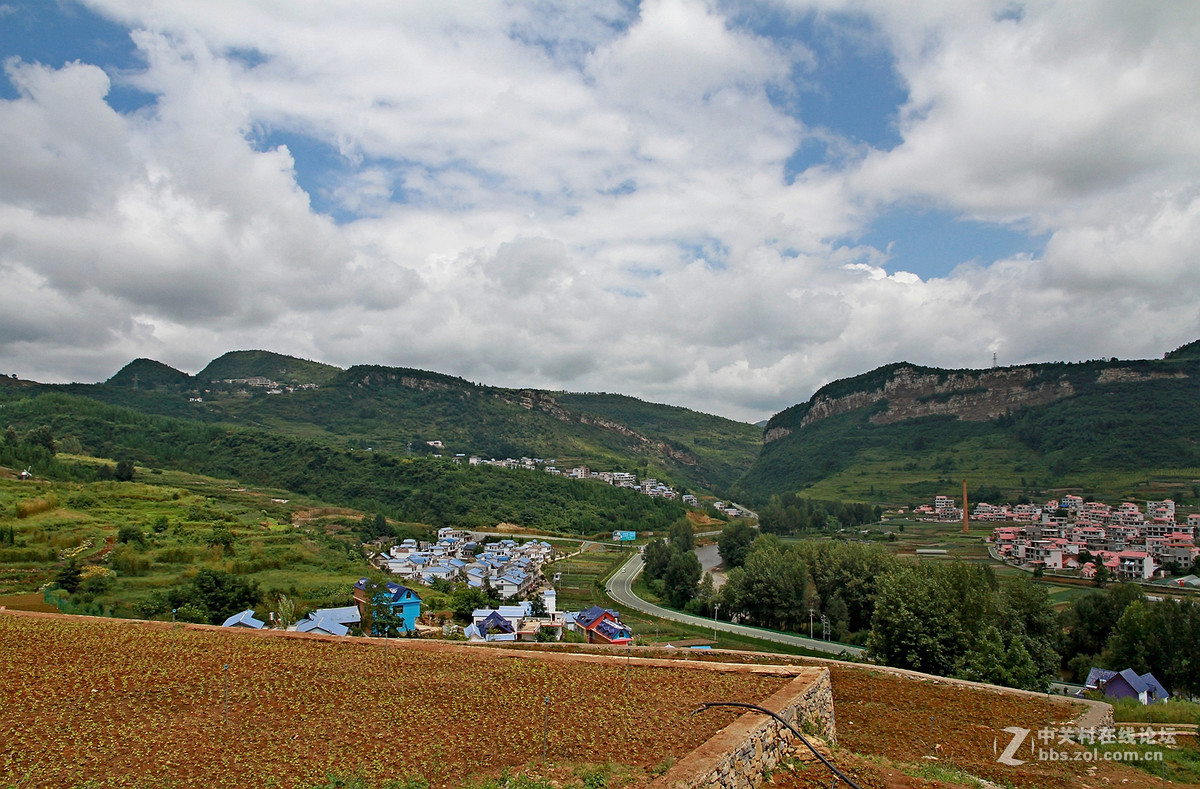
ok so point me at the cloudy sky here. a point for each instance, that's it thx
(721, 205)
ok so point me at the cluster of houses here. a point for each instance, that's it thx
(1130, 543)
(272, 387)
(943, 508)
(403, 604)
(620, 479)
(519, 622)
(512, 569)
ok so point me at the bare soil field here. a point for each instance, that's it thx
(119, 703)
(901, 733)
(92, 702)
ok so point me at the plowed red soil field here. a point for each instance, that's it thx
(901, 733)
(93, 702)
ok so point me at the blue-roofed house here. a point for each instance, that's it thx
(244, 619)
(330, 621)
(494, 627)
(602, 626)
(1127, 684)
(404, 603)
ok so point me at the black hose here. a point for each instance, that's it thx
(792, 728)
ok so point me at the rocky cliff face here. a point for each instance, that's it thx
(381, 377)
(911, 393)
(972, 395)
(542, 401)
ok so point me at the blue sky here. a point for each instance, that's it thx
(54, 33)
(721, 205)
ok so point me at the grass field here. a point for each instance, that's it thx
(905, 478)
(170, 520)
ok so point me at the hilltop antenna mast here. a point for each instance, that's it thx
(994, 360)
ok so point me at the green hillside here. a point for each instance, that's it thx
(419, 413)
(139, 541)
(266, 364)
(149, 374)
(902, 433)
(422, 490)
(723, 448)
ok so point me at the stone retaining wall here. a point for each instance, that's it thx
(740, 755)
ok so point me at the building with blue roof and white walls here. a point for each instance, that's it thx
(331, 621)
(244, 619)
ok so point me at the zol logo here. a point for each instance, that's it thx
(1019, 736)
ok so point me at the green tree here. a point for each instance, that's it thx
(385, 619)
(466, 599)
(681, 578)
(131, 534)
(1130, 643)
(152, 606)
(916, 625)
(219, 593)
(41, 436)
(1085, 625)
(124, 471)
(196, 613)
(770, 588)
(221, 537)
(68, 577)
(734, 543)
(839, 617)
(683, 535)
(656, 558)
(285, 607)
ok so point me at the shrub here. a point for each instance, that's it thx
(128, 562)
(131, 534)
(33, 506)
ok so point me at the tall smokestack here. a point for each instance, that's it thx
(966, 528)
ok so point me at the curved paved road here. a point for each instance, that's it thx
(620, 588)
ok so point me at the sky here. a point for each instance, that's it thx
(719, 205)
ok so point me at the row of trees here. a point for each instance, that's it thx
(954, 619)
(1120, 628)
(790, 514)
(210, 597)
(38, 449)
(671, 567)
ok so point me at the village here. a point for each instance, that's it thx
(1087, 537)
(621, 479)
(512, 571)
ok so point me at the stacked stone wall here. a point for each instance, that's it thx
(743, 754)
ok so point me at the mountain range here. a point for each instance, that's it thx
(421, 413)
(899, 432)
